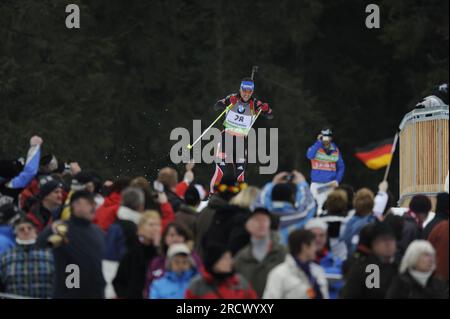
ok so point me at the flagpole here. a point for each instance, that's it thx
(386, 173)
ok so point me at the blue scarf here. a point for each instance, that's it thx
(312, 280)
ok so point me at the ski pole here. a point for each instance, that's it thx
(189, 146)
(256, 117)
(253, 121)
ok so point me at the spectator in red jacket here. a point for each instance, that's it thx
(218, 279)
(182, 186)
(439, 239)
(106, 214)
(49, 205)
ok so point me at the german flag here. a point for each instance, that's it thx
(376, 155)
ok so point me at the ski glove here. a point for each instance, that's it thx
(264, 107)
(233, 99)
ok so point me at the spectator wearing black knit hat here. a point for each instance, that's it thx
(50, 203)
(441, 214)
(413, 219)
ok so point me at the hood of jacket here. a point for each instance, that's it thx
(125, 213)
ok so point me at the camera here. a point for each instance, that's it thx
(289, 177)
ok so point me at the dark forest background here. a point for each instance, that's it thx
(107, 95)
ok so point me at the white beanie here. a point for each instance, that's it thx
(316, 223)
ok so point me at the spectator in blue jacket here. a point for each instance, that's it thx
(288, 197)
(176, 279)
(327, 167)
(363, 203)
(325, 257)
(15, 175)
(8, 214)
(122, 234)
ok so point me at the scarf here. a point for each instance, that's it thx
(27, 242)
(317, 293)
(421, 277)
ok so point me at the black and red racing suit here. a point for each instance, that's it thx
(238, 121)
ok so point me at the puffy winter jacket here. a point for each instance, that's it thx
(157, 267)
(172, 285)
(107, 213)
(288, 281)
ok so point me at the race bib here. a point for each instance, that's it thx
(239, 120)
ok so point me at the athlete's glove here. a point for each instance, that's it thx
(264, 107)
(233, 99)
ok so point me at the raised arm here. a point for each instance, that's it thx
(31, 165)
(312, 151)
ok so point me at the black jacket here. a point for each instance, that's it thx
(130, 277)
(174, 200)
(355, 283)
(204, 220)
(410, 233)
(406, 287)
(84, 249)
(228, 227)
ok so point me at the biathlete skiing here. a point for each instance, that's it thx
(241, 111)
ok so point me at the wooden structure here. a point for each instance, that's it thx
(423, 152)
